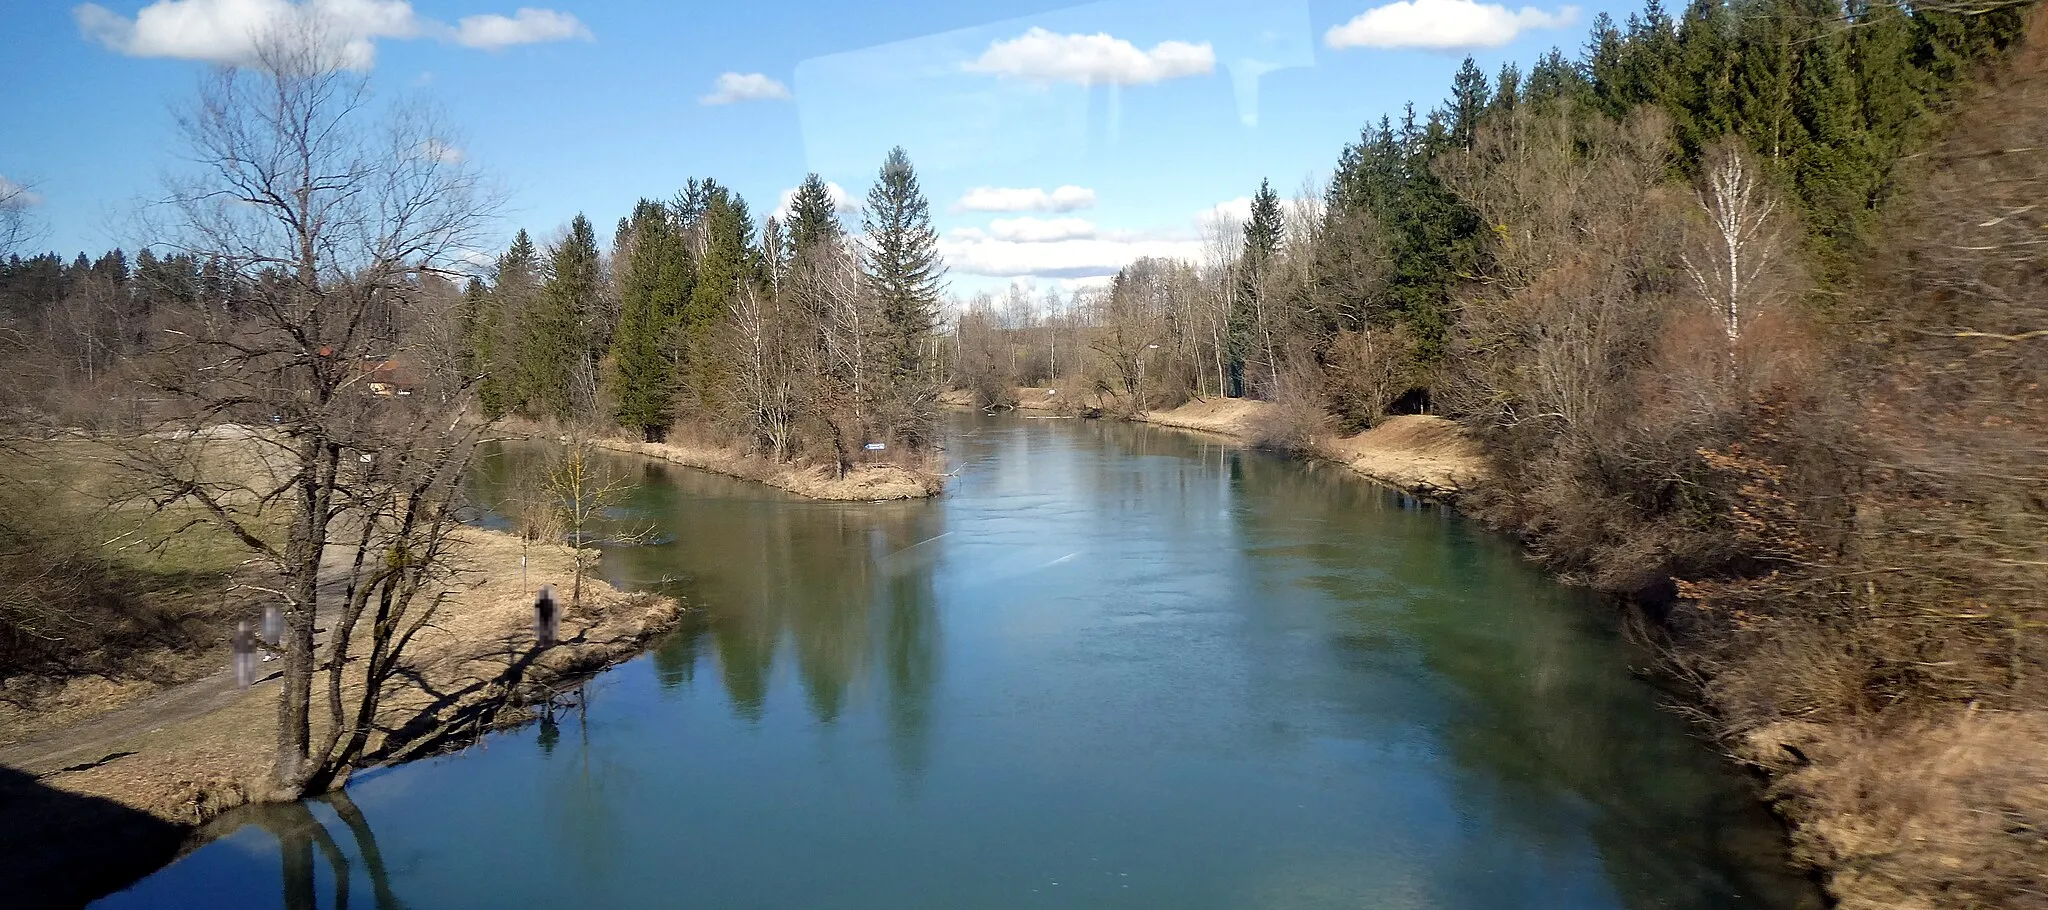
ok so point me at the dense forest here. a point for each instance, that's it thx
(791, 339)
(1747, 307)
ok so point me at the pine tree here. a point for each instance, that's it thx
(555, 344)
(1766, 77)
(1703, 103)
(1507, 90)
(1604, 63)
(900, 265)
(500, 328)
(726, 259)
(812, 218)
(655, 281)
(1470, 96)
(1262, 235)
(1554, 79)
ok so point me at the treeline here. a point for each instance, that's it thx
(790, 338)
(79, 336)
(1750, 310)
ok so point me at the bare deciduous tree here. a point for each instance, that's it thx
(326, 216)
(1739, 262)
(18, 226)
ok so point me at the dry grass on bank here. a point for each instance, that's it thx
(865, 483)
(105, 599)
(1941, 813)
(460, 674)
(1230, 416)
(1424, 455)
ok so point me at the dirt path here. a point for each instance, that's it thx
(82, 743)
(146, 774)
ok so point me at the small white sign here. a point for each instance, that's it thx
(876, 447)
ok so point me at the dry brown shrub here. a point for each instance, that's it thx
(1940, 812)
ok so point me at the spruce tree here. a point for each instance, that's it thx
(1507, 90)
(1604, 65)
(1765, 82)
(1829, 167)
(726, 259)
(555, 346)
(1470, 96)
(900, 265)
(501, 326)
(1263, 232)
(1703, 103)
(812, 218)
(1554, 79)
(654, 282)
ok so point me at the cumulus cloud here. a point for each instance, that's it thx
(1041, 230)
(227, 31)
(1227, 212)
(491, 31)
(1443, 25)
(16, 196)
(441, 151)
(842, 201)
(975, 252)
(733, 87)
(1042, 56)
(1027, 199)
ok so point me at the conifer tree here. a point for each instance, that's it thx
(900, 265)
(501, 325)
(1766, 77)
(654, 282)
(555, 343)
(1507, 90)
(1262, 235)
(1603, 66)
(1470, 96)
(812, 218)
(1703, 101)
(1554, 79)
(726, 259)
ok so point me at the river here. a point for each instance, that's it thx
(1114, 666)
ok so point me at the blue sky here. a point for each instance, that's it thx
(1054, 141)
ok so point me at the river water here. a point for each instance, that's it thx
(1114, 666)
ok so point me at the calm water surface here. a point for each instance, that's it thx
(1114, 666)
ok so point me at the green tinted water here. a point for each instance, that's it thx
(1114, 666)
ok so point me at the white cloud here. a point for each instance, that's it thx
(1042, 56)
(491, 31)
(842, 201)
(1041, 230)
(1443, 25)
(1228, 212)
(1032, 199)
(441, 151)
(733, 87)
(976, 253)
(14, 195)
(226, 31)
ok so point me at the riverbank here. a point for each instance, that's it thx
(1938, 812)
(1421, 455)
(865, 483)
(145, 776)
